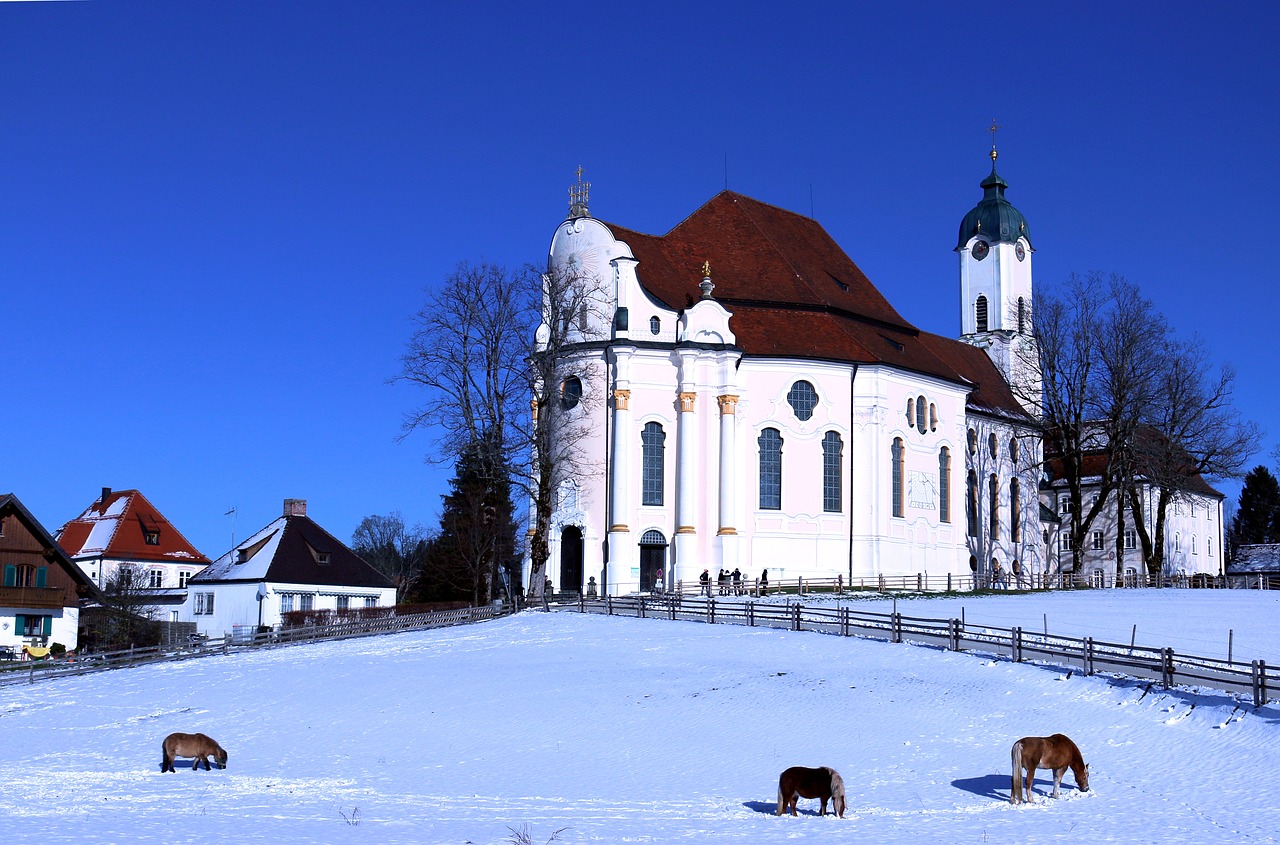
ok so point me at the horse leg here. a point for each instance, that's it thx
(1057, 778)
(823, 810)
(795, 797)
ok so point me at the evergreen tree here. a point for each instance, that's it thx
(1257, 517)
(477, 536)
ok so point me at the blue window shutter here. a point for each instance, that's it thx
(42, 575)
(48, 626)
(10, 575)
(19, 624)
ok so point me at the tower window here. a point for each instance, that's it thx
(980, 313)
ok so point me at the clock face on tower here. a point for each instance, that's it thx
(1019, 251)
(980, 250)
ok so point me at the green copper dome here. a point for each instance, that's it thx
(994, 217)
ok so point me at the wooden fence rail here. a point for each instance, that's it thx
(38, 670)
(1162, 665)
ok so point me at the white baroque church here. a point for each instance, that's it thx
(751, 401)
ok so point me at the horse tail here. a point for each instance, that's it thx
(1016, 758)
(780, 799)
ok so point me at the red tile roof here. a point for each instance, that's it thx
(794, 293)
(115, 527)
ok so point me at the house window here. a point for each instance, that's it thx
(286, 603)
(151, 538)
(832, 485)
(655, 325)
(1177, 542)
(32, 626)
(1194, 551)
(25, 575)
(322, 558)
(570, 393)
(370, 601)
(306, 601)
(770, 442)
(896, 458)
(803, 399)
(971, 504)
(652, 456)
(944, 484)
(344, 603)
(1131, 538)
(994, 505)
(204, 604)
(1015, 519)
(1066, 542)
(980, 313)
(1064, 504)
(156, 579)
(1097, 540)
(1208, 547)
(920, 415)
(183, 577)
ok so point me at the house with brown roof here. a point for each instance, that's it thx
(42, 589)
(292, 564)
(743, 397)
(123, 541)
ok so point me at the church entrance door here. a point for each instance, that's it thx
(571, 559)
(653, 557)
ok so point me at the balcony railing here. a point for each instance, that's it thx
(41, 598)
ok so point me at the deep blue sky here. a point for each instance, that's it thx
(216, 218)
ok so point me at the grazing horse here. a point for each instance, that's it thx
(800, 782)
(1055, 752)
(198, 746)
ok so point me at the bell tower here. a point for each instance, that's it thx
(995, 286)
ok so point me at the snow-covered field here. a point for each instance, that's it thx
(624, 730)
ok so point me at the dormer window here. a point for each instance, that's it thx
(151, 538)
(322, 558)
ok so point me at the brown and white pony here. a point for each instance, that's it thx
(822, 783)
(198, 746)
(1055, 752)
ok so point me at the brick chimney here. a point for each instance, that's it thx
(295, 507)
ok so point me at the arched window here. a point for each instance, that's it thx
(933, 417)
(832, 485)
(911, 411)
(994, 505)
(570, 393)
(971, 504)
(655, 325)
(973, 442)
(1013, 449)
(991, 445)
(980, 313)
(652, 453)
(653, 537)
(803, 399)
(896, 456)
(1015, 521)
(770, 442)
(944, 484)
(920, 412)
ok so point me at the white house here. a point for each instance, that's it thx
(292, 564)
(747, 399)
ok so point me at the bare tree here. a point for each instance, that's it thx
(500, 389)
(392, 548)
(1189, 429)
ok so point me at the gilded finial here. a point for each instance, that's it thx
(706, 285)
(993, 129)
(706, 269)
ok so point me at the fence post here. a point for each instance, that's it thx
(1088, 655)
(608, 604)
(711, 611)
(795, 614)
(953, 634)
(1259, 672)
(844, 621)
(1166, 667)
(640, 607)
(582, 602)
(751, 614)
(1017, 645)
(919, 582)
(895, 623)
(881, 584)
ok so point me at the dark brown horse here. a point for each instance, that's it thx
(1055, 752)
(198, 746)
(822, 783)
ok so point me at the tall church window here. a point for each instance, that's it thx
(994, 507)
(920, 415)
(832, 484)
(895, 454)
(652, 452)
(971, 504)
(944, 485)
(1015, 519)
(770, 442)
(803, 399)
(980, 313)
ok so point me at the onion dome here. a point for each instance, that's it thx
(994, 217)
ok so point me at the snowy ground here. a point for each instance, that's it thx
(626, 730)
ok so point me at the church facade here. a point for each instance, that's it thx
(749, 400)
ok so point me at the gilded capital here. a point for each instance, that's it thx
(621, 399)
(728, 404)
(686, 402)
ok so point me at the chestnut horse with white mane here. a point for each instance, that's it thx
(1055, 752)
(198, 746)
(822, 783)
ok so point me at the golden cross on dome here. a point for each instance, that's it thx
(994, 128)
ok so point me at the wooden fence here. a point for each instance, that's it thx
(1162, 665)
(30, 671)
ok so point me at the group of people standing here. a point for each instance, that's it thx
(731, 583)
